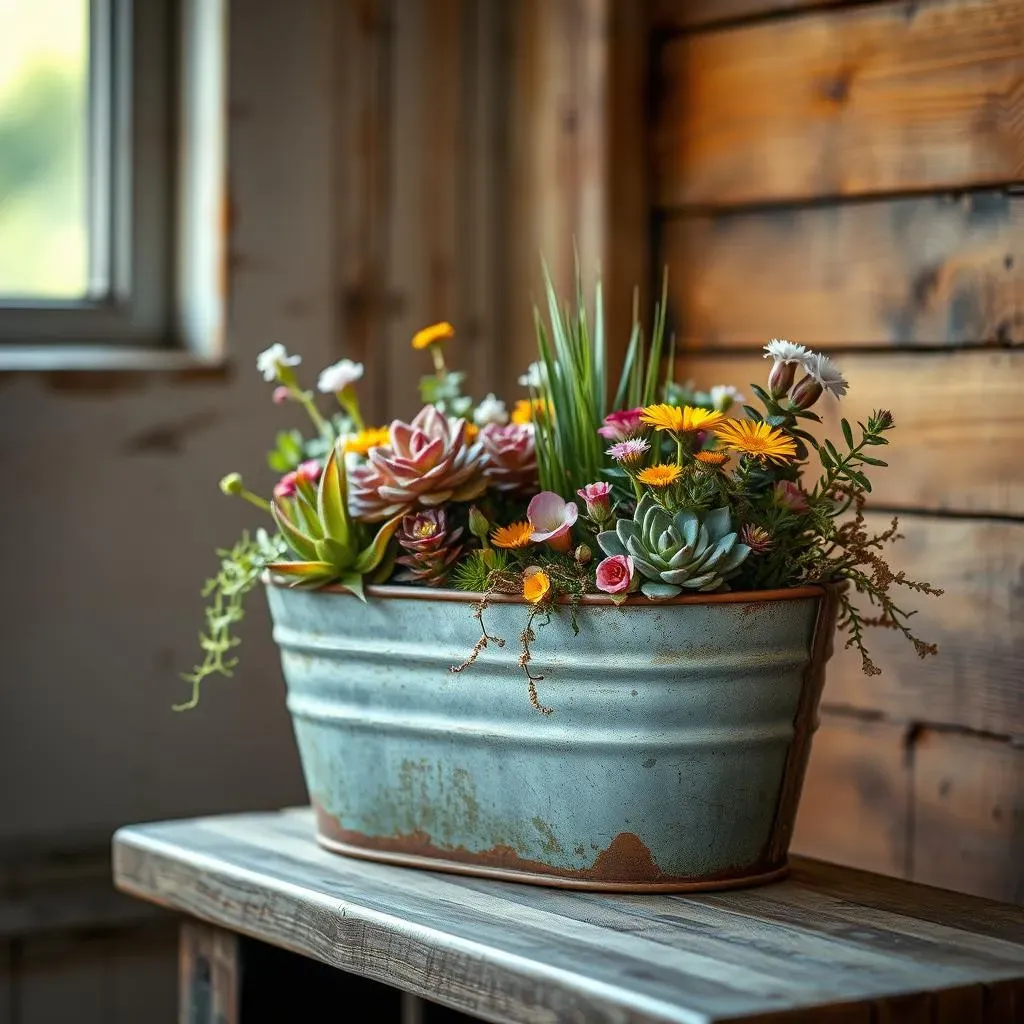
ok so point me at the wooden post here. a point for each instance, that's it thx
(579, 157)
(209, 975)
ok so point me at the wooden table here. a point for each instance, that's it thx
(830, 944)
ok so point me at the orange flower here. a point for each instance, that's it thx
(712, 458)
(536, 584)
(432, 334)
(516, 535)
(471, 432)
(659, 476)
(367, 439)
(527, 410)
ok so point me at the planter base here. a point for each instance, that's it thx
(411, 860)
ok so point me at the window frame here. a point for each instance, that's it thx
(157, 135)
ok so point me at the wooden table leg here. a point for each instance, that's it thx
(209, 975)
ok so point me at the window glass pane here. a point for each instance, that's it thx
(44, 116)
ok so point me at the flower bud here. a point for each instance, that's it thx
(583, 555)
(780, 378)
(281, 395)
(806, 393)
(232, 484)
(478, 524)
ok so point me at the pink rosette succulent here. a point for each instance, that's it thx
(428, 463)
(598, 499)
(615, 576)
(309, 472)
(552, 519)
(789, 495)
(621, 425)
(510, 457)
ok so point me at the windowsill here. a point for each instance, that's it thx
(106, 358)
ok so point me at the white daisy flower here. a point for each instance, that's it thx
(783, 351)
(339, 376)
(723, 396)
(272, 359)
(825, 372)
(535, 376)
(490, 410)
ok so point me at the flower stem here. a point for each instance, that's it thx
(350, 404)
(255, 499)
(305, 399)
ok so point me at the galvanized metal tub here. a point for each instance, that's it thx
(672, 761)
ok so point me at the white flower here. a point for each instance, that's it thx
(723, 395)
(339, 376)
(535, 377)
(272, 359)
(783, 351)
(490, 410)
(825, 372)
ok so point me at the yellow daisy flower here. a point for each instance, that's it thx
(679, 420)
(536, 584)
(515, 535)
(659, 476)
(757, 440)
(434, 333)
(367, 439)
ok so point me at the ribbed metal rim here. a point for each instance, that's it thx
(412, 593)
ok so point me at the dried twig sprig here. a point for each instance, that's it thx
(526, 638)
(485, 638)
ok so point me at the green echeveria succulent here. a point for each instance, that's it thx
(677, 552)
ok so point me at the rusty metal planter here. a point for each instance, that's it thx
(673, 759)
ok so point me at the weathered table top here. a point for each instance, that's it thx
(868, 947)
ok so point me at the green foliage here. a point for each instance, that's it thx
(640, 382)
(444, 390)
(288, 451)
(331, 546)
(473, 572)
(240, 571)
(570, 452)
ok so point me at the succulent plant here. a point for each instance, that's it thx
(331, 546)
(673, 552)
(429, 547)
(428, 463)
(510, 457)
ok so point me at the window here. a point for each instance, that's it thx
(111, 176)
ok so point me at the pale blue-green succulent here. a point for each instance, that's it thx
(677, 552)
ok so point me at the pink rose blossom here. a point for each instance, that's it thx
(598, 499)
(285, 487)
(615, 574)
(620, 425)
(789, 495)
(552, 519)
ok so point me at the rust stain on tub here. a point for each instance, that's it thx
(626, 859)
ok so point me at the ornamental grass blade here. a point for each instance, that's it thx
(332, 499)
(303, 545)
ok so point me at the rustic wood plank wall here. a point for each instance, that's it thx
(473, 138)
(848, 176)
